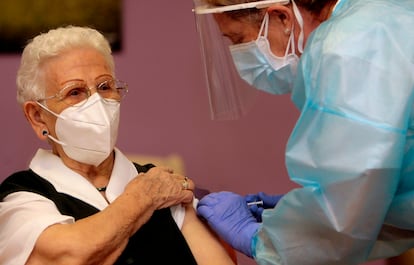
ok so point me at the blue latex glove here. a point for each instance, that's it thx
(269, 201)
(228, 215)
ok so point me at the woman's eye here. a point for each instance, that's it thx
(75, 92)
(104, 87)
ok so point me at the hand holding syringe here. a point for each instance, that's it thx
(259, 202)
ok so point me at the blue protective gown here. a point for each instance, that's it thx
(352, 149)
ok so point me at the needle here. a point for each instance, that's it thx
(255, 203)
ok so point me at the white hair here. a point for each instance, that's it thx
(47, 45)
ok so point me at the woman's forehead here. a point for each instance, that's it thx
(79, 63)
(236, 29)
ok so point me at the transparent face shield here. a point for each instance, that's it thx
(230, 96)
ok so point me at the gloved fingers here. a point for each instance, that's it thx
(251, 198)
(256, 212)
(223, 198)
(205, 211)
(219, 204)
(253, 208)
(209, 200)
(269, 201)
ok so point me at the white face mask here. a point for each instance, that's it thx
(259, 67)
(88, 133)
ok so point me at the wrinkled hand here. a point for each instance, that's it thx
(163, 187)
(269, 201)
(228, 215)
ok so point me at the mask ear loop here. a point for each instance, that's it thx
(264, 28)
(48, 110)
(300, 22)
(56, 140)
(291, 43)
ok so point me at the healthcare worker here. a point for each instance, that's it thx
(352, 148)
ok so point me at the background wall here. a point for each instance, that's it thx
(166, 111)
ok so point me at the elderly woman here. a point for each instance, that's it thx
(83, 202)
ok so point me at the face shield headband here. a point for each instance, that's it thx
(230, 97)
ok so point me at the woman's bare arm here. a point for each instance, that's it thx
(205, 246)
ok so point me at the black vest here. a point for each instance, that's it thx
(159, 241)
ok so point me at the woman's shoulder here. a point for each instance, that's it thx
(25, 180)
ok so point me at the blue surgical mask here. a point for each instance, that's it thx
(259, 67)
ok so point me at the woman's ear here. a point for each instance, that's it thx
(32, 111)
(283, 15)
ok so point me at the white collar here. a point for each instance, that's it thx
(50, 167)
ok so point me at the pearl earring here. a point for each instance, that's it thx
(287, 31)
